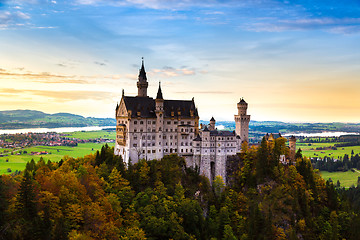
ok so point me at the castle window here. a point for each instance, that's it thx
(135, 145)
(175, 137)
(153, 151)
(144, 151)
(189, 122)
(153, 122)
(153, 130)
(135, 122)
(171, 137)
(141, 122)
(135, 137)
(159, 150)
(182, 150)
(191, 150)
(144, 144)
(170, 129)
(166, 130)
(149, 137)
(149, 122)
(134, 129)
(175, 122)
(175, 150)
(153, 137)
(164, 137)
(143, 137)
(175, 129)
(182, 144)
(153, 144)
(141, 130)
(168, 122)
(182, 122)
(149, 151)
(149, 144)
(182, 130)
(186, 150)
(159, 143)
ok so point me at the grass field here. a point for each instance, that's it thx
(92, 134)
(340, 152)
(347, 179)
(18, 162)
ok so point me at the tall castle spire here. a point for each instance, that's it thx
(159, 93)
(142, 83)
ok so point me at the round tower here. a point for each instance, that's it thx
(242, 121)
(212, 124)
(292, 146)
(242, 107)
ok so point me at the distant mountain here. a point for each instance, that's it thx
(16, 119)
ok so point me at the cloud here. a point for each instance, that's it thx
(167, 71)
(100, 63)
(335, 25)
(62, 95)
(10, 19)
(44, 77)
(206, 92)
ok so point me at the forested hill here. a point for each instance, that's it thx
(99, 197)
(15, 119)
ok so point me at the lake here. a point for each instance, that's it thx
(58, 130)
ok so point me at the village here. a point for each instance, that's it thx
(13, 143)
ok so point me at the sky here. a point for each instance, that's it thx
(292, 61)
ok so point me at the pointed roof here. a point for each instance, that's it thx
(142, 73)
(198, 138)
(212, 119)
(206, 129)
(242, 101)
(159, 93)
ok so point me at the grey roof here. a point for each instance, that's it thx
(222, 133)
(212, 119)
(146, 107)
(206, 129)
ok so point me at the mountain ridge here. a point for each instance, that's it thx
(24, 118)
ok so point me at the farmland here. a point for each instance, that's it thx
(20, 156)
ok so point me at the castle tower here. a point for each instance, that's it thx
(159, 111)
(292, 146)
(142, 83)
(242, 121)
(212, 124)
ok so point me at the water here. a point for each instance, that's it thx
(58, 130)
(321, 134)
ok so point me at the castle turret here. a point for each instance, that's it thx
(212, 124)
(142, 83)
(242, 121)
(292, 146)
(159, 111)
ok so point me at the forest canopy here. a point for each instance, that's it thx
(98, 196)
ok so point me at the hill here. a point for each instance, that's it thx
(15, 119)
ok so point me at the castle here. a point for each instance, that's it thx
(148, 128)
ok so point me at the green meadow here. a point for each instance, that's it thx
(18, 162)
(347, 179)
(309, 151)
(92, 134)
